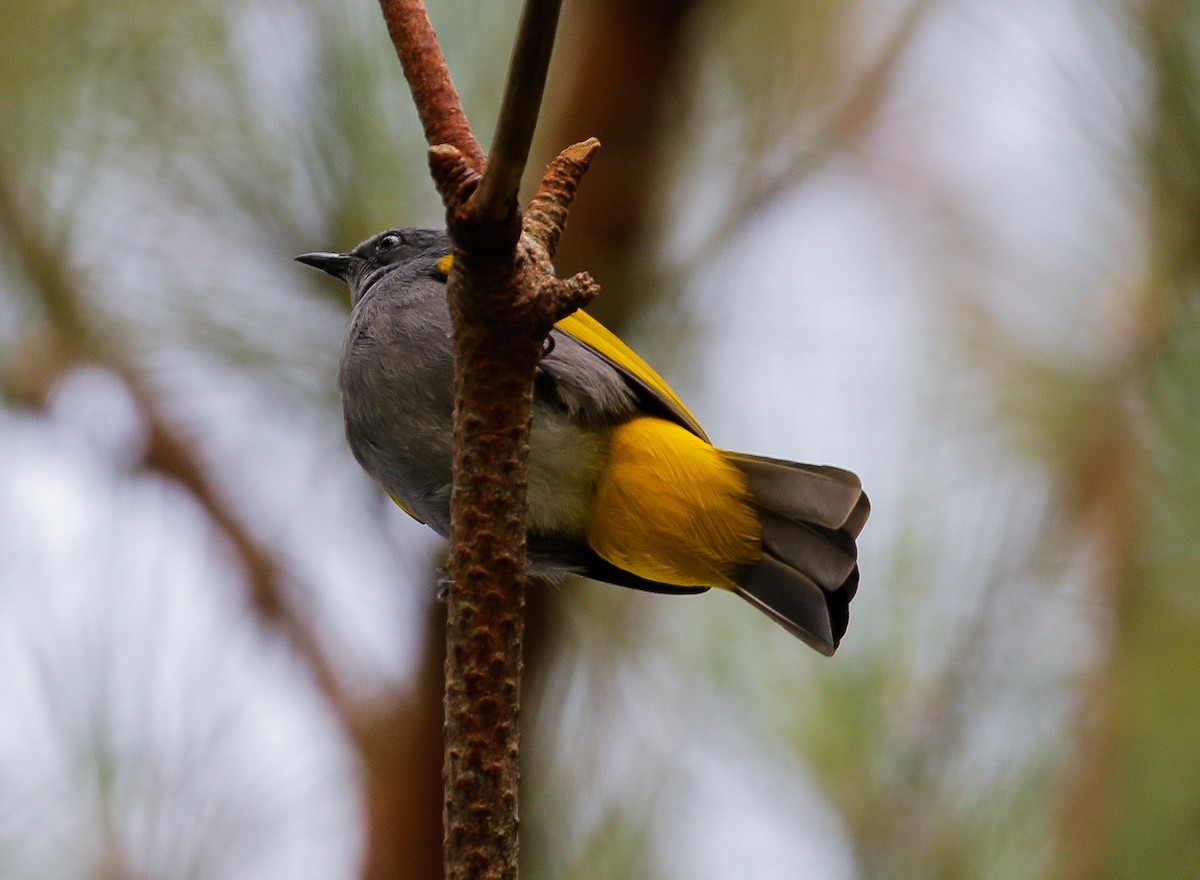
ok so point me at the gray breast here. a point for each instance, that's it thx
(396, 380)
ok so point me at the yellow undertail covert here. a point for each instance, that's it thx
(671, 508)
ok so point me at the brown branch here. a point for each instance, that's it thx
(502, 308)
(433, 92)
(519, 109)
(547, 213)
(504, 298)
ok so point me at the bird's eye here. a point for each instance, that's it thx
(387, 242)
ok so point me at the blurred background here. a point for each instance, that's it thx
(952, 245)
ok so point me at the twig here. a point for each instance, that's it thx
(519, 108)
(428, 77)
(848, 121)
(548, 209)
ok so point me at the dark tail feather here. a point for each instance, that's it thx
(792, 599)
(858, 517)
(808, 573)
(826, 496)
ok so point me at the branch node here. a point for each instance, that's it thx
(578, 291)
(555, 299)
(452, 174)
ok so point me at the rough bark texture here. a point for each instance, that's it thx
(437, 101)
(502, 307)
(485, 625)
(503, 299)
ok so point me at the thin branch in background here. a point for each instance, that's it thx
(847, 122)
(168, 451)
(390, 740)
(621, 85)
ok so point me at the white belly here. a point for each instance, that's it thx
(564, 462)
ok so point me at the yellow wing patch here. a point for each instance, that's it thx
(604, 342)
(670, 508)
(586, 329)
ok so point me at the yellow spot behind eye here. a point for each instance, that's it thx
(444, 264)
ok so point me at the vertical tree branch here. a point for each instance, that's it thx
(504, 299)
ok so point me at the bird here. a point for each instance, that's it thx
(624, 485)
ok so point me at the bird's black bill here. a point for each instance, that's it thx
(337, 265)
